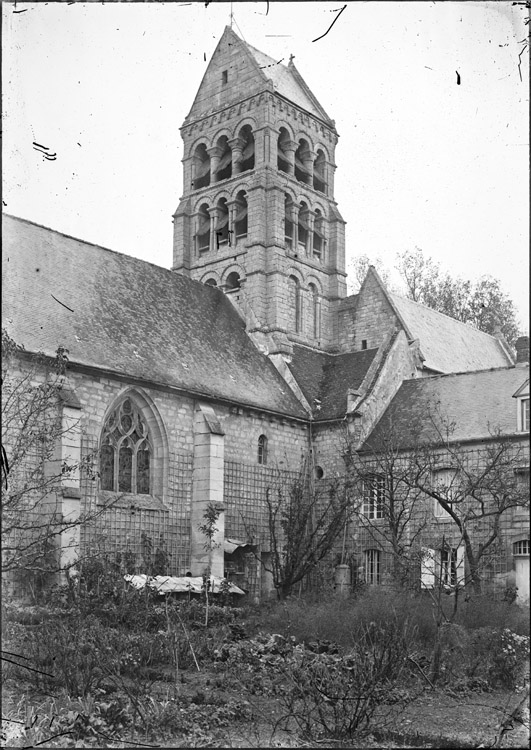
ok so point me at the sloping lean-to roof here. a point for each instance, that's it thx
(131, 317)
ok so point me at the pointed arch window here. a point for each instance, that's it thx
(126, 451)
(262, 450)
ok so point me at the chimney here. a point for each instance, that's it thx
(522, 349)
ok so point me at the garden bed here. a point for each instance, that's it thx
(140, 672)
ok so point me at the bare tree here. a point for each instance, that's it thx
(482, 484)
(33, 524)
(386, 503)
(304, 520)
(475, 486)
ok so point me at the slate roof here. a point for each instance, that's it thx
(288, 82)
(254, 69)
(447, 344)
(478, 403)
(328, 377)
(126, 315)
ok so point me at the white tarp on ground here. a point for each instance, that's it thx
(179, 584)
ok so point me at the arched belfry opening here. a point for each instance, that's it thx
(241, 219)
(233, 282)
(202, 236)
(200, 167)
(304, 162)
(222, 224)
(319, 172)
(247, 158)
(224, 166)
(284, 152)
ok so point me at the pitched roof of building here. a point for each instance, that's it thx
(131, 317)
(447, 344)
(288, 82)
(250, 70)
(477, 404)
(328, 377)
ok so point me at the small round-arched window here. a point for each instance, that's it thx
(126, 450)
(262, 450)
(319, 473)
(211, 282)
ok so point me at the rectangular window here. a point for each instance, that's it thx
(521, 547)
(448, 567)
(372, 566)
(224, 77)
(524, 415)
(374, 496)
(522, 478)
(427, 568)
(443, 567)
(444, 481)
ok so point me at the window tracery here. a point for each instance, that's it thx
(126, 451)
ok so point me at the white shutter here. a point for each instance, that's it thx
(427, 568)
(460, 565)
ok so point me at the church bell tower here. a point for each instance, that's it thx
(258, 217)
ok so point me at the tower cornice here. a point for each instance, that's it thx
(218, 115)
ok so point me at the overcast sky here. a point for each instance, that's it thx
(421, 161)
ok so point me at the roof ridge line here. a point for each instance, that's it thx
(335, 354)
(459, 374)
(174, 274)
(444, 315)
